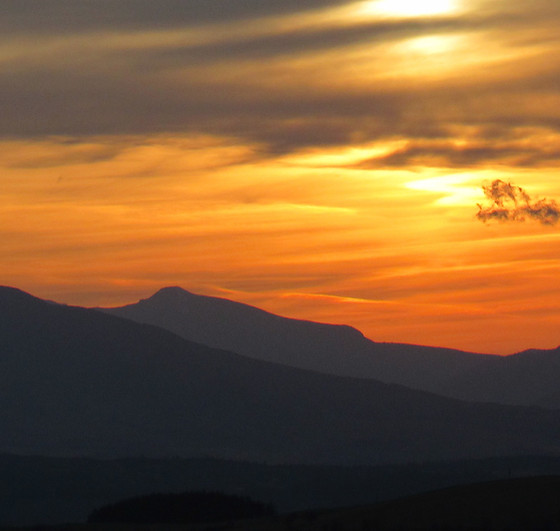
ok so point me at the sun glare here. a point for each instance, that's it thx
(408, 8)
(455, 189)
(433, 44)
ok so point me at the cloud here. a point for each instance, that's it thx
(477, 149)
(99, 67)
(69, 16)
(508, 202)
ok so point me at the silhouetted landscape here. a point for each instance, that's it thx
(98, 407)
(526, 378)
(51, 490)
(279, 265)
(522, 504)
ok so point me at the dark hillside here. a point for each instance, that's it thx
(527, 378)
(327, 348)
(527, 504)
(523, 504)
(79, 382)
(43, 490)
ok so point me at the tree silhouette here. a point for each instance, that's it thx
(187, 507)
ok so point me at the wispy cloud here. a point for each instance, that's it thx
(508, 202)
(496, 147)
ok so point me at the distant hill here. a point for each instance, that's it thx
(521, 504)
(78, 382)
(46, 490)
(527, 378)
(332, 349)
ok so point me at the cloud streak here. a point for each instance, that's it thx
(98, 67)
(68, 16)
(526, 149)
(508, 202)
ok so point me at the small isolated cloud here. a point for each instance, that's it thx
(507, 202)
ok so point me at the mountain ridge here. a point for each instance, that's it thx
(332, 349)
(75, 381)
(524, 378)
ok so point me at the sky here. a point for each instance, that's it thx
(388, 164)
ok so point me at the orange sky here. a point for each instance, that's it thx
(318, 159)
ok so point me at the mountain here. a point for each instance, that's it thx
(527, 378)
(332, 349)
(80, 382)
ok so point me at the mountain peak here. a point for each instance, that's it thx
(172, 290)
(9, 294)
(13, 291)
(171, 293)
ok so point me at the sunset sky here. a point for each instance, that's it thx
(320, 159)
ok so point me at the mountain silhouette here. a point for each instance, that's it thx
(81, 382)
(332, 349)
(527, 378)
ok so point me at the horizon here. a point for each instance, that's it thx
(221, 297)
(380, 164)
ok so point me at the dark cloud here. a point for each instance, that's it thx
(71, 16)
(294, 42)
(97, 102)
(97, 88)
(110, 91)
(507, 202)
(479, 151)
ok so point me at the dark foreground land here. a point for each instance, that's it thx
(41, 490)
(531, 504)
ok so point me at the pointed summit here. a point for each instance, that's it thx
(170, 293)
